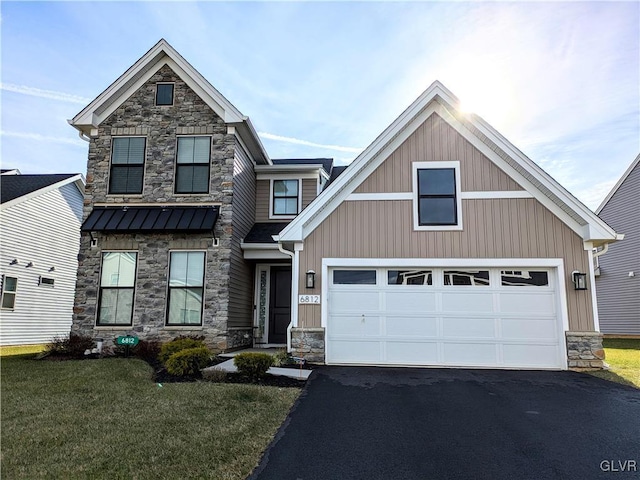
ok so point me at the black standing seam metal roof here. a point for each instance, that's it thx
(16, 186)
(261, 232)
(151, 219)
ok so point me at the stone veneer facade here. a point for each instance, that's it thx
(139, 116)
(584, 350)
(308, 343)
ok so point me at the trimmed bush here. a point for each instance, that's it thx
(253, 364)
(177, 345)
(281, 358)
(72, 346)
(188, 361)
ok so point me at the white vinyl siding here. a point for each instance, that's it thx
(44, 230)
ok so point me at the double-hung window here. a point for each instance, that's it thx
(186, 288)
(285, 197)
(127, 165)
(9, 289)
(192, 165)
(117, 285)
(437, 196)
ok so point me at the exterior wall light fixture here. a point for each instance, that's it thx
(310, 279)
(579, 280)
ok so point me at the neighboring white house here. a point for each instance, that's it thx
(618, 283)
(40, 217)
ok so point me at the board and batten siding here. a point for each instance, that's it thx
(618, 293)
(309, 193)
(493, 228)
(44, 230)
(436, 140)
(243, 218)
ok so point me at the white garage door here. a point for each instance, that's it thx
(484, 317)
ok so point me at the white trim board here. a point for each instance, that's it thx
(463, 195)
(618, 184)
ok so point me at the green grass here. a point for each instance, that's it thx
(107, 419)
(623, 356)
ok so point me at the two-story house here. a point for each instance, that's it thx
(441, 244)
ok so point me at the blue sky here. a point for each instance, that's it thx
(559, 80)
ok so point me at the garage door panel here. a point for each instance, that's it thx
(356, 325)
(355, 351)
(542, 303)
(354, 301)
(412, 326)
(410, 300)
(469, 327)
(484, 354)
(412, 353)
(497, 325)
(467, 301)
(523, 355)
(523, 328)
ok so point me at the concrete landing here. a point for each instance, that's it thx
(296, 373)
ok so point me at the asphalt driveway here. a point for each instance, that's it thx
(401, 423)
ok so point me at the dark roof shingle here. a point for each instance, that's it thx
(262, 232)
(15, 186)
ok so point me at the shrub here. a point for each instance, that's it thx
(214, 375)
(188, 361)
(72, 346)
(281, 358)
(253, 364)
(178, 344)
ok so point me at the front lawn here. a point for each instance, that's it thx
(107, 419)
(623, 356)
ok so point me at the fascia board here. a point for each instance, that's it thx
(618, 184)
(544, 178)
(288, 168)
(77, 179)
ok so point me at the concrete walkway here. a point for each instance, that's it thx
(297, 373)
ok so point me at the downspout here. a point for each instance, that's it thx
(294, 289)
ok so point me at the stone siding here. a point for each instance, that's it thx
(584, 350)
(308, 343)
(161, 125)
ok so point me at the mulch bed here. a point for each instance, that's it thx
(160, 374)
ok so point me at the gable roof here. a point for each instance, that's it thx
(15, 188)
(615, 188)
(439, 100)
(159, 55)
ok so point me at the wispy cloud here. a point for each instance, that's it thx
(43, 138)
(297, 141)
(50, 94)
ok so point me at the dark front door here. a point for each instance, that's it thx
(279, 304)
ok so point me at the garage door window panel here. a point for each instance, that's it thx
(524, 278)
(409, 277)
(354, 277)
(467, 278)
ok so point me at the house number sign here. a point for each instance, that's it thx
(127, 340)
(309, 299)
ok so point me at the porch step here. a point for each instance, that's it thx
(297, 373)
